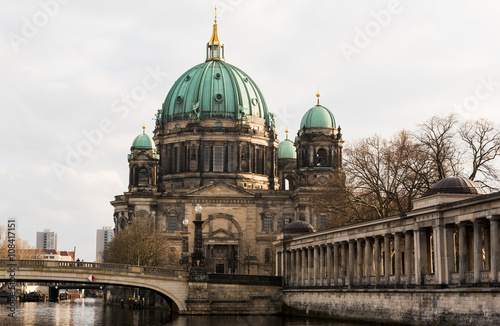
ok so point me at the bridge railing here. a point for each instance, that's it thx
(93, 266)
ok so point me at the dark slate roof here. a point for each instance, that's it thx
(455, 185)
(298, 227)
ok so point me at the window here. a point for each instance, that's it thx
(218, 124)
(230, 165)
(321, 157)
(143, 177)
(172, 222)
(206, 158)
(267, 256)
(177, 159)
(287, 221)
(322, 220)
(218, 158)
(266, 223)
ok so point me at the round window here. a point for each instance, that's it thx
(179, 99)
(217, 76)
(218, 97)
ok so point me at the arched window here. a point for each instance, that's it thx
(321, 157)
(143, 177)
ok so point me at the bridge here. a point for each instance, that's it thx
(218, 294)
(170, 284)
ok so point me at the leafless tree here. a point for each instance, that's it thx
(437, 139)
(482, 139)
(247, 255)
(140, 243)
(23, 250)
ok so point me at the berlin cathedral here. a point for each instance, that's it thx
(215, 145)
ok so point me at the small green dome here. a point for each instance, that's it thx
(143, 141)
(318, 117)
(286, 149)
(214, 89)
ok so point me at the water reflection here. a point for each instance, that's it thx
(93, 312)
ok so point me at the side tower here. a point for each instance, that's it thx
(143, 164)
(287, 162)
(319, 159)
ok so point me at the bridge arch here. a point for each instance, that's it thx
(167, 283)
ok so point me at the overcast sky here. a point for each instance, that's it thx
(78, 79)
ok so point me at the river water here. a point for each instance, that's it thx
(92, 311)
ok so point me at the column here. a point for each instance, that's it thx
(328, 264)
(321, 265)
(336, 262)
(449, 252)
(368, 259)
(422, 255)
(343, 261)
(292, 268)
(359, 262)
(387, 258)
(351, 262)
(316, 266)
(398, 259)
(304, 267)
(298, 266)
(310, 266)
(494, 247)
(377, 259)
(462, 251)
(278, 263)
(408, 256)
(478, 252)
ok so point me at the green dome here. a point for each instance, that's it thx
(143, 141)
(318, 117)
(214, 89)
(286, 149)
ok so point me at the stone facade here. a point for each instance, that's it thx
(412, 307)
(437, 264)
(215, 144)
(235, 295)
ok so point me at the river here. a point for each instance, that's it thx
(92, 311)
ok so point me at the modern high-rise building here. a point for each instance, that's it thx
(46, 239)
(104, 236)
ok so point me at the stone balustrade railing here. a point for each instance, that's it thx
(93, 266)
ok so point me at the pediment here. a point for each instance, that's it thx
(323, 138)
(220, 190)
(142, 156)
(221, 233)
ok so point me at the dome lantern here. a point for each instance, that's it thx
(215, 48)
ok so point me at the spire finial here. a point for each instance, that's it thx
(144, 129)
(318, 95)
(215, 48)
(286, 131)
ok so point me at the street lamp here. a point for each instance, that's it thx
(198, 271)
(185, 243)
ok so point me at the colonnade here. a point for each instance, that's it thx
(379, 253)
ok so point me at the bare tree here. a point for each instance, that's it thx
(22, 250)
(247, 256)
(140, 243)
(436, 136)
(482, 139)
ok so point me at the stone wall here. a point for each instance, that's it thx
(235, 294)
(473, 306)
